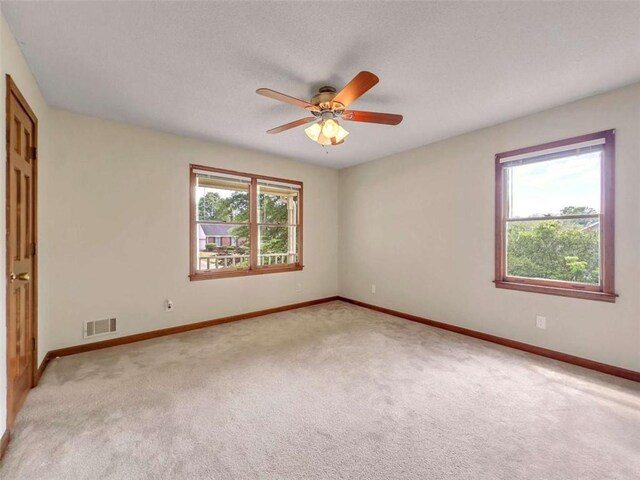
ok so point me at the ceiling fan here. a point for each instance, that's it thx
(327, 107)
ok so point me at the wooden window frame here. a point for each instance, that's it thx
(254, 268)
(605, 290)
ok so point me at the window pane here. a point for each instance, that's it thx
(277, 205)
(230, 248)
(278, 245)
(564, 186)
(565, 250)
(222, 200)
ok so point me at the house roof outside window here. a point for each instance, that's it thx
(217, 230)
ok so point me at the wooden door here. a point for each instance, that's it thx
(21, 249)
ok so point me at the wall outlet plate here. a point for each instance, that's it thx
(541, 322)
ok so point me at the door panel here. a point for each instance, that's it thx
(21, 264)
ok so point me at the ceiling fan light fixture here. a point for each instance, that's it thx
(341, 135)
(322, 140)
(314, 131)
(327, 106)
(331, 135)
(330, 128)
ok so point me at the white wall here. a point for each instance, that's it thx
(13, 63)
(420, 225)
(115, 231)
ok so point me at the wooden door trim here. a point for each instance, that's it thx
(12, 89)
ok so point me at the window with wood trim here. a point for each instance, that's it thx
(243, 224)
(555, 218)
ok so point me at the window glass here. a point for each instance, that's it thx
(278, 224)
(277, 204)
(563, 186)
(222, 199)
(554, 249)
(242, 222)
(555, 218)
(277, 245)
(222, 213)
(567, 250)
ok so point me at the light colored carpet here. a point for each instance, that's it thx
(331, 391)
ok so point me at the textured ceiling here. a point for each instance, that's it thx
(192, 68)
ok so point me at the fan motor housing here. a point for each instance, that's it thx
(324, 99)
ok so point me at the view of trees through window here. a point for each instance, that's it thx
(235, 209)
(223, 222)
(277, 231)
(567, 250)
(549, 235)
(231, 207)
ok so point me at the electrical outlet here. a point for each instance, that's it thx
(373, 288)
(541, 322)
(168, 306)
(298, 287)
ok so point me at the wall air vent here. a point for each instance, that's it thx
(97, 328)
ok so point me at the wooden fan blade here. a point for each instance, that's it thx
(360, 84)
(372, 117)
(267, 92)
(295, 124)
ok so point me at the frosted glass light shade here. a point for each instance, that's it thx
(318, 132)
(313, 132)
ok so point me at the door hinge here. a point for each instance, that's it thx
(34, 249)
(34, 152)
(33, 343)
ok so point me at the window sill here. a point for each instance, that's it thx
(244, 273)
(560, 291)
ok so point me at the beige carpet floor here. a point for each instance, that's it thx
(326, 392)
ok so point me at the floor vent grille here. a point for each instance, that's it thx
(97, 328)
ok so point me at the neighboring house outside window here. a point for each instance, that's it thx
(219, 235)
(555, 218)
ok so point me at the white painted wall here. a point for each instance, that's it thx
(115, 232)
(420, 225)
(13, 63)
